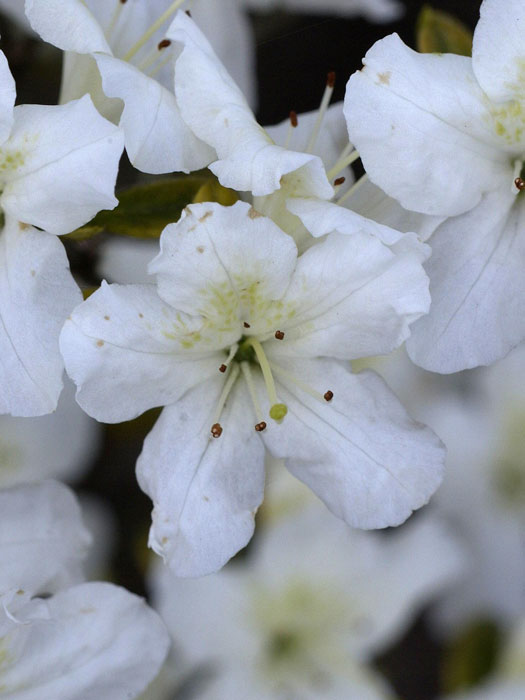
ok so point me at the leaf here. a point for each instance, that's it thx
(471, 657)
(439, 32)
(144, 210)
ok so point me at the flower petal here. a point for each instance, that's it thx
(217, 112)
(67, 153)
(67, 24)
(37, 292)
(227, 263)
(352, 297)
(405, 110)
(205, 491)
(498, 55)
(7, 98)
(157, 139)
(42, 536)
(361, 453)
(96, 641)
(124, 349)
(477, 287)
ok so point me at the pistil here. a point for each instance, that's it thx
(277, 410)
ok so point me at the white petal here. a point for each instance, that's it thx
(405, 110)
(37, 292)
(205, 491)
(477, 287)
(67, 24)
(361, 453)
(224, 262)
(43, 540)
(7, 98)
(217, 112)
(498, 54)
(122, 350)
(157, 139)
(125, 260)
(351, 297)
(98, 641)
(68, 153)
(60, 445)
(370, 201)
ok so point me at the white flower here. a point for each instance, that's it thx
(308, 609)
(445, 136)
(242, 329)
(86, 641)
(50, 157)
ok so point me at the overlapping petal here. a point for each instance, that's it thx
(413, 110)
(206, 491)
(37, 292)
(62, 154)
(477, 288)
(7, 98)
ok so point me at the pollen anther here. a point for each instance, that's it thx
(520, 183)
(328, 396)
(260, 426)
(216, 430)
(223, 368)
(279, 335)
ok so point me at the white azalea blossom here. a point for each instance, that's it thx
(86, 641)
(463, 116)
(310, 607)
(242, 332)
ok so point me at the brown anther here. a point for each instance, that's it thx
(216, 430)
(328, 396)
(123, 2)
(188, 13)
(246, 325)
(330, 79)
(520, 183)
(339, 181)
(279, 335)
(223, 368)
(163, 44)
(260, 426)
(293, 118)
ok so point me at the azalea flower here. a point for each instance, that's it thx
(49, 157)
(242, 341)
(443, 134)
(86, 640)
(304, 615)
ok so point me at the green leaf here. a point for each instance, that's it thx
(144, 210)
(439, 32)
(471, 656)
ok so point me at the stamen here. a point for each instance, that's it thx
(327, 396)
(277, 410)
(151, 31)
(163, 44)
(279, 335)
(216, 428)
(343, 162)
(114, 18)
(518, 184)
(260, 425)
(223, 368)
(231, 355)
(325, 101)
(353, 189)
(246, 325)
(161, 65)
(339, 181)
(291, 128)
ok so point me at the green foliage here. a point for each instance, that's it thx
(439, 32)
(471, 657)
(144, 210)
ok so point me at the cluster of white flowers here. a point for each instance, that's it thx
(249, 331)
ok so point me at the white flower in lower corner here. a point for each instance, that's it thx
(244, 342)
(82, 642)
(307, 611)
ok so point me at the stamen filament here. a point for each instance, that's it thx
(151, 31)
(245, 367)
(342, 163)
(325, 101)
(291, 128)
(228, 385)
(353, 189)
(277, 409)
(149, 60)
(114, 19)
(160, 65)
(304, 387)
